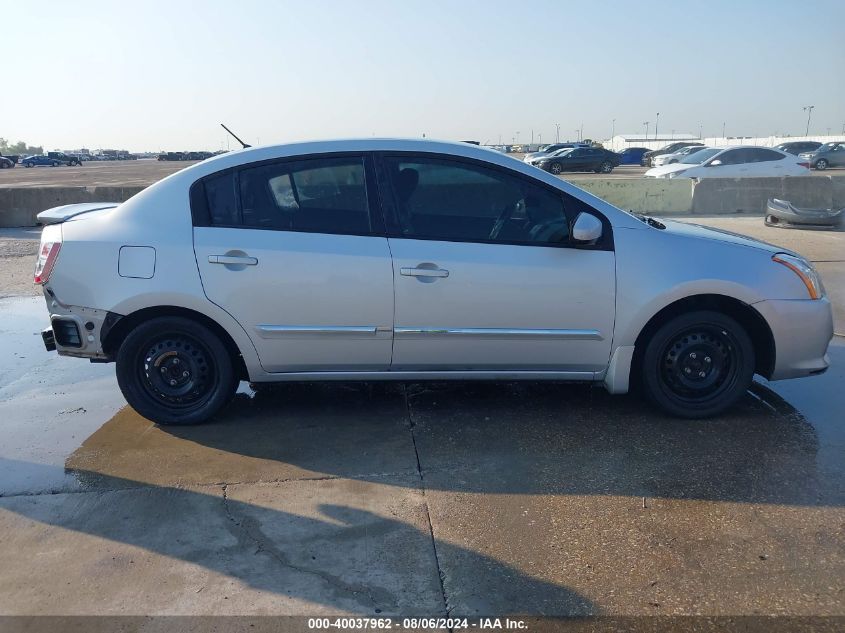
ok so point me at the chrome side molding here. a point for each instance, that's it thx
(479, 332)
(279, 331)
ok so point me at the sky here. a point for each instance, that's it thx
(162, 75)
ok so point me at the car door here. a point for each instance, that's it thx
(293, 251)
(486, 277)
(576, 160)
(837, 156)
(732, 164)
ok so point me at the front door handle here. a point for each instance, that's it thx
(423, 272)
(233, 260)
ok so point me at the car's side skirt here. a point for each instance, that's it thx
(307, 376)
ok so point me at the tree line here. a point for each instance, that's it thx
(21, 148)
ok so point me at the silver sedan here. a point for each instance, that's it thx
(414, 260)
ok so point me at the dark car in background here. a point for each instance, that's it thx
(828, 155)
(595, 159)
(798, 147)
(41, 160)
(7, 162)
(64, 159)
(669, 149)
(632, 155)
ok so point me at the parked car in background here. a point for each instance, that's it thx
(669, 159)
(6, 162)
(632, 155)
(828, 155)
(465, 264)
(668, 149)
(41, 160)
(734, 162)
(550, 149)
(595, 159)
(64, 159)
(798, 147)
(171, 156)
(12, 158)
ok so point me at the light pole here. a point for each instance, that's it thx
(700, 127)
(656, 121)
(723, 130)
(646, 129)
(557, 132)
(612, 130)
(577, 133)
(809, 111)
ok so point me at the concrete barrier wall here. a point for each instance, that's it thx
(645, 195)
(20, 205)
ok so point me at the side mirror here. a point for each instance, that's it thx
(586, 229)
(714, 163)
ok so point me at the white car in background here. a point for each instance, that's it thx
(669, 159)
(734, 162)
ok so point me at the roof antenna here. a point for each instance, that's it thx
(236, 136)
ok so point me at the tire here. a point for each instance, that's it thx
(556, 168)
(152, 364)
(27, 164)
(606, 167)
(821, 164)
(55, 163)
(697, 364)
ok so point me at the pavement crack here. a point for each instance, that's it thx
(447, 609)
(248, 532)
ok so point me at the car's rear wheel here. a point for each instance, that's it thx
(698, 364)
(173, 370)
(821, 164)
(55, 163)
(606, 167)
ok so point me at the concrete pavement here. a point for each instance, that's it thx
(425, 499)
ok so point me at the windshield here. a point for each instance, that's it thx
(699, 157)
(828, 146)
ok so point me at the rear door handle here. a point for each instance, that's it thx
(423, 272)
(232, 259)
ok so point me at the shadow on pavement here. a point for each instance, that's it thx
(343, 558)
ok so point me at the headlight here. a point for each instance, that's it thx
(804, 270)
(675, 174)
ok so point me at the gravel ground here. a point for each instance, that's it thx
(18, 248)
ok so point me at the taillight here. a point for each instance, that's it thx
(46, 260)
(805, 165)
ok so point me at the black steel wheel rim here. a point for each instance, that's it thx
(700, 363)
(177, 370)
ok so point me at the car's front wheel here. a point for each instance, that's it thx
(697, 364)
(555, 168)
(173, 370)
(606, 167)
(821, 164)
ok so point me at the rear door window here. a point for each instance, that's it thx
(319, 195)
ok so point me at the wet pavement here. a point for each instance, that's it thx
(426, 499)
